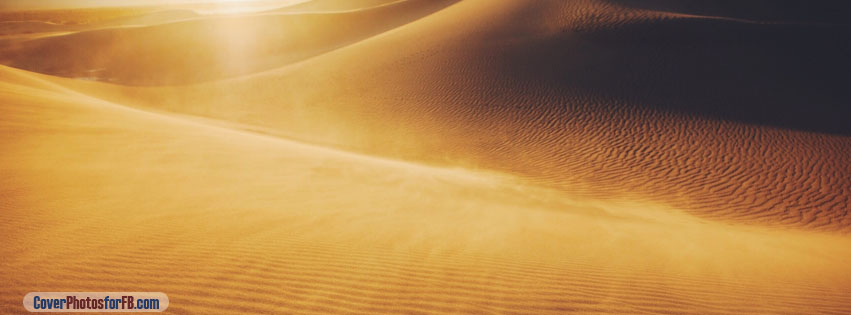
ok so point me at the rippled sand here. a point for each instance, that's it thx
(475, 156)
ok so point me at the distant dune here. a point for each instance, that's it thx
(153, 18)
(474, 156)
(204, 49)
(336, 5)
(80, 16)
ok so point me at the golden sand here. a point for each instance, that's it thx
(420, 159)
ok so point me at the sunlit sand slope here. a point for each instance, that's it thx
(95, 196)
(151, 18)
(25, 28)
(204, 49)
(717, 116)
(29, 23)
(336, 5)
(26, 24)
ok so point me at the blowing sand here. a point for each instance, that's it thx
(472, 156)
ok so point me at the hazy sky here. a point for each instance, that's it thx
(96, 3)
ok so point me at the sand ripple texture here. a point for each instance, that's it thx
(740, 118)
(430, 157)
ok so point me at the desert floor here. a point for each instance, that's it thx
(431, 156)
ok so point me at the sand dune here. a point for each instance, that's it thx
(770, 11)
(476, 156)
(567, 104)
(204, 49)
(24, 24)
(336, 5)
(153, 18)
(81, 16)
(17, 27)
(269, 225)
(29, 27)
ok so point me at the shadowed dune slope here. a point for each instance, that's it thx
(204, 49)
(769, 11)
(566, 95)
(95, 196)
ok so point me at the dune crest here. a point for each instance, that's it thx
(336, 5)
